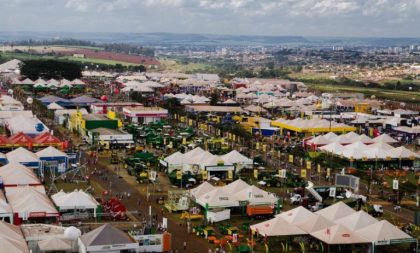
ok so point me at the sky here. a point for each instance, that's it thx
(349, 18)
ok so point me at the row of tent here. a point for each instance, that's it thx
(231, 195)
(334, 225)
(77, 101)
(137, 86)
(51, 83)
(186, 99)
(361, 147)
(202, 158)
(21, 139)
(313, 125)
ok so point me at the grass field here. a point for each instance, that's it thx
(173, 66)
(97, 61)
(393, 95)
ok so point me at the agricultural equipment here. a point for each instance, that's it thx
(116, 209)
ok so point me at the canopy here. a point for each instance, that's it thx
(11, 239)
(74, 200)
(45, 139)
(319, 140)
(20, 139)
(255, 196)
(54, 106)
(22, 155)
(335, 148)
(54, 244)
(338, 234)
(236, 157)
(401, 153)
(315, 223)
(29, 201)
(336, 211)
(17, 174)
(50, 152)
(217, 197)
(357, 220)
(236, 186)
(277, 227)
(382, 230)
(201, 189)
(106, 235)
(297, 215)
(83, 100)
(384, 138)
(364, 139)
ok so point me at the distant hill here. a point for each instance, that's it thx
(166, 39)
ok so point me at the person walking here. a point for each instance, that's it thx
(185, 245)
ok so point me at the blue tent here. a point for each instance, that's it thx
(54, 99)
(53, 158)
(84, 101)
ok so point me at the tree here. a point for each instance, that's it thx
(214, 98)
(48, 69)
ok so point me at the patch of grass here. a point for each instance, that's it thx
(97, 61)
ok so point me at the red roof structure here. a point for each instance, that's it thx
(21, 139)
(4, 141)
(46, 139)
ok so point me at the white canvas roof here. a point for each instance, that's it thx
(355, 151)
(54, 106)
(236, 157)
(21, 155)
(175, 158)
(315, 223)
(357, 220)
(382, 230)
(277, 227)
(256, 196)
(336, 211)
(74, 200)
(236, 186)
(339, 234)
(297, 215)
(24, 124)
(364, 139)
(381, 145)
(54, 244)
(29, 200)
(384, 138)
(50, 152)
(11, 239)
(401, 152)
(17, 174)
(335, 148)
(330, 135)
(201, 189)
(319, 140)
(342, 139)
(217, 197)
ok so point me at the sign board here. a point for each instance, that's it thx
(234, 238)
(255, 173)
(328, 172)
(290, 158)
(347, 181)
(308, 165)
(333, 191)
(318, 168)
(205, 175)
(395, 184)
(164, 222)
(404, 240)
(303, 173)
(282, 173)
(152, 175)
(179, 175)
(230, 174)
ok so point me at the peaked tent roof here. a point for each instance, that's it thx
(217, 197)
(105, 235)
(53, 99)
(336, 211)
(30, 200)
(84, 100)
(382, 230)
(297, 215)
(78, 82)
(330, 135)
(4, 140)
(357, 220)
(384, 138)
(20, 139)
(255, 196)
(201, 189)
(54, 106)
(175, 158)
(11, 239)
(401, 152)
(314, 224)
(54, 244)
(22, 155)
(46, 138)
(17, 174)
(236, 186)
(339, 234)
(74, 200)
(277, 227)
(50, 152)
(236, 157)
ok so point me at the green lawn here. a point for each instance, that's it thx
(97, 61)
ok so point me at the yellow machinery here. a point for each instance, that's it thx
(189, 216)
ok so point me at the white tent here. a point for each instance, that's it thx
(54, 244)
(319, 140)
(381, 145)
(342, 139)
(255, 196)
(339, 234)
(50, 152)
(382, 231)
(335, 148)
(216, 198)
(297, 215)
(11, 239)
(357, 220)
(364, 139)
(315, 223)
(330, 136)
(236, 157)
(236, 186)
(384, 138)
(201, 189)
(74, 200)
(336, 211)
(16, 174)
(277, 227)
(28, 201)
(355, 151)
(401, 153)
(22, 155)
(54, 106)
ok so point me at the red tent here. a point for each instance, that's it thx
(4, 141)
(20, 139)
(46, 139)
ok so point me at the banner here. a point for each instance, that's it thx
(319, 168)
(395, 184)
(255, 173)
(205, 175)
(264, 147)
(328, 172)
(230, 174)
(308, 165)
(290, 158)
(282, 173)
(179, 175)
(303, 173)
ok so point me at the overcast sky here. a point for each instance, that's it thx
(366, 18)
